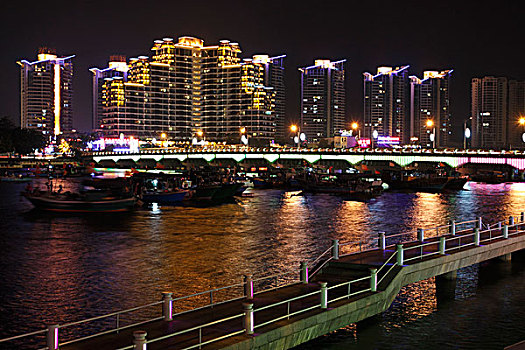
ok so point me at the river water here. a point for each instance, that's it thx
(63, 268)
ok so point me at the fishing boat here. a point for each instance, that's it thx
(164, 197)
(88, 202)
(226, 191)
(157, 191)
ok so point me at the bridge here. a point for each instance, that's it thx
(344, 285)
(399, 156)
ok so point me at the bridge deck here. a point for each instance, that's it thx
(349, 267)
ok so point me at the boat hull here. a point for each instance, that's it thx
(72, 206)
(164, 198)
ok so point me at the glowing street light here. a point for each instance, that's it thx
(244, 137)
(199, 133)
(355, 127)
(294, 128)
(163, 136)
(430, 124)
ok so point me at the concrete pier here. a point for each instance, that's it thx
(345, 289)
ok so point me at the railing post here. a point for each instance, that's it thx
(511, 220)
(522, 217)
(399, 251)
(373, 280)
(335, 249)
(324, 295)
(476, 237)
(382, 240)
(506, 231)
(139, 341)
(442, 245)
(304, 272)
(421, 234)
(452, 227)
(248, 286)
(167, 306)
(499, 225)
(248, 317)
(479, 223)
(52, 337)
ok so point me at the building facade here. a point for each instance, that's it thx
(46, 90)
(516, 120)
(489, 98)
(117, 67)
(274, 77)
(386, 107)
(430, 109)
(187, 90)
(323, 101)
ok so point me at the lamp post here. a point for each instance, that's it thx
(430, 124)
(295, 129)
(466, 134)
(521, 121)
(244, 137)
(355, 127)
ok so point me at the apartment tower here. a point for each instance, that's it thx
(46, 90)
(322, 99)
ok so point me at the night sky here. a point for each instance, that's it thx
(474, 39)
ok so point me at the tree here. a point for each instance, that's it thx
(14, 139)
(26, 140)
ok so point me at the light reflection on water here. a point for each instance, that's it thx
(65, 268)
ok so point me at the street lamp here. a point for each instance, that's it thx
(430, 124)
(295, 129)
(355, 127)
(375, 135)
(244, 137)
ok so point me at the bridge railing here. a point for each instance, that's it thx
(141, 342)
(468, 238)
(459, 236)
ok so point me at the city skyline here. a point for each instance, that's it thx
(272, 28)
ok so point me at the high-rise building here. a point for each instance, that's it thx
(117, 67)
(46, 89)
(274, 77)
(322, 99)
(386, 107)
(188, 89)
(430, 108)
(515, 125)
(489, 112)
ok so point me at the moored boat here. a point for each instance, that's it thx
(80, 203)
(226, 191)
(167, 197)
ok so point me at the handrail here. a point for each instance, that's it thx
(489, 228)
(23, 335)
(302, 296)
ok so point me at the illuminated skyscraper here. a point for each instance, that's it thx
(117, 68)
(489, 112)
(386, 107)
(274, 77)
(46, 93)
(187, 88)
(430, 108)
(322, 99)
(515, 126)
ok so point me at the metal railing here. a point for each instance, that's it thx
(460, 233)
(199, 329)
